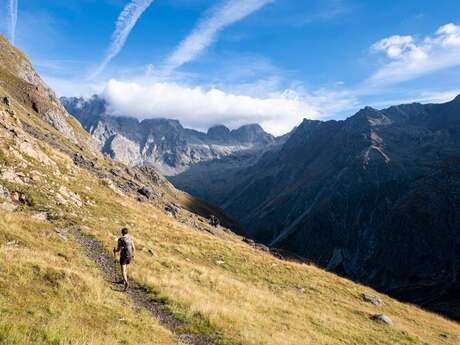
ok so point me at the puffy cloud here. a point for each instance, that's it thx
(205, 33)
(410, 58)
(201, 108)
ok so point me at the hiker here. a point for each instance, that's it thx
(126, 248)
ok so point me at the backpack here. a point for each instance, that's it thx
(126, 246)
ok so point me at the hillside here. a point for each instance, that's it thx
(62, 205)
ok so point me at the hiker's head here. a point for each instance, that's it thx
(124, 231)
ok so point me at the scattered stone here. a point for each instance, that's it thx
(444, 335)
(249, 241)
(302, 290)
(262, 247)
(382, 318)
(220, 262)
(146, 192)
(11, 176)
(142, 198)
(33, 151)
(12, 243)
(4, 192)
(172, 209)
(151, 252)
(41, 216)
(80, 161)
(19, 197)
(371, 299)
(68, 195)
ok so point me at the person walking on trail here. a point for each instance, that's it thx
(126, 249)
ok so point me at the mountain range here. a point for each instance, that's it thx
(375, 197)
(162, 143)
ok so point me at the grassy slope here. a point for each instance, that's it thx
(52, 294)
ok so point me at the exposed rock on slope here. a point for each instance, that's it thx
(162, 143)
(25, 85)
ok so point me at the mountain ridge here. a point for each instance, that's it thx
(340, 187)
(163, 143)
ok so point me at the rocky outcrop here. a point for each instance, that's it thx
(29, 89)
(162, 143)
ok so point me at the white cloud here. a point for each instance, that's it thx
(201, 108)
(13, 17)
(410, 58)
(205, 33)
(124, 25)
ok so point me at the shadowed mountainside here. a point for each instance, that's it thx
(375, 197)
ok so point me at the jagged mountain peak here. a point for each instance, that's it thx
(218, 132)
(252, 133)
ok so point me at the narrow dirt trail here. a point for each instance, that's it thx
(141, 298)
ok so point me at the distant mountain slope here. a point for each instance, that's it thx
(162, 143)
(375, 197)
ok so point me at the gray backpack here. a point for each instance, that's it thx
(126, 246)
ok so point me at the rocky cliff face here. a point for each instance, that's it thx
(21, 81)
(162, 143)
(375, 197)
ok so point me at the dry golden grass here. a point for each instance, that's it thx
(51, 294)
(256, 298)
(252, 297)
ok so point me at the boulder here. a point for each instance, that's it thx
(4, 192)
(142, 198)
(41, 216)
(172, 209)
(12, 176)
(249, 241)
(372, 299)
(19, 197)
(262, 247)
(382, 318)
(147, 192)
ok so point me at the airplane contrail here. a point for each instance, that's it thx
(205, 33)
(13, 14)
(124, 25)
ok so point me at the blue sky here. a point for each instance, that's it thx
(239, 61)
